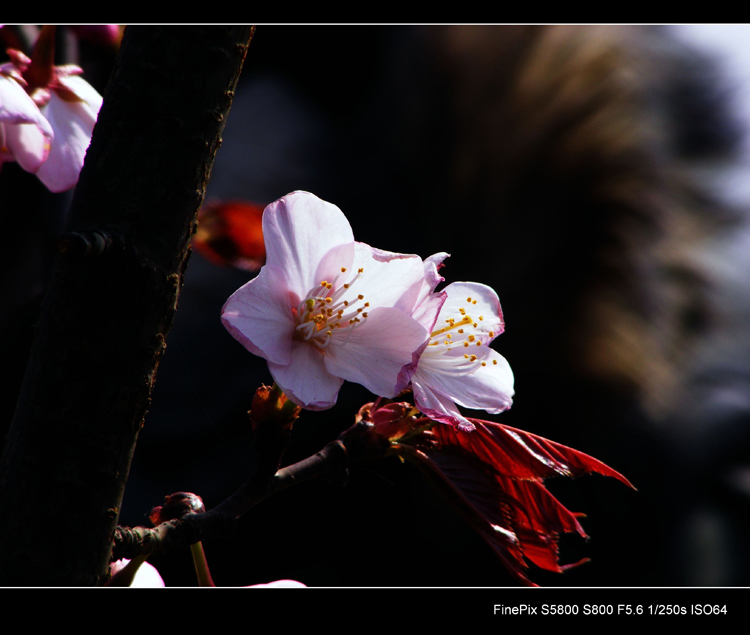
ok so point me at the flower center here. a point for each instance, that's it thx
(329, 309)
(460, 330)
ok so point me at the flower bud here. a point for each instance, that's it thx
(177, 505)
(271, 407)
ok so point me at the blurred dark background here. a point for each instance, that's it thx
(579, 171)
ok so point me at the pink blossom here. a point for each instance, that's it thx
(458, 366)
(325, 308)
(134, 573)
(279, 584)
(65, 110)
(25, 135)
(138, 573)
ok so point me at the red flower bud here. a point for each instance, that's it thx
(177, 505)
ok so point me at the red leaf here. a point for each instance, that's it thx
(495, 476)
(521, 455)
(471, 490)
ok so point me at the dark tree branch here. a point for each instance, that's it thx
(331, 462)
(111, 301)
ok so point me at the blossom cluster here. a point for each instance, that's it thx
(325, 309)
(47, 116)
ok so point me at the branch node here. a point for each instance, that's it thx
(86, 244)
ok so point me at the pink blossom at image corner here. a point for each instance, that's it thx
(63, 109)
(25, 135)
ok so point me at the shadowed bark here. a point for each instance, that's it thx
(111, 301)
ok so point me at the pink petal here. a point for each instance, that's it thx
(305, 380)
(135, 575)
(484, 304)
(431, 276)
(70, 82)
(73, 123)
(374, 352)
(488, 388)
(16, 107)
(331, 264)
(279, 584)
(259, 315)
(25, 134)
(429, 309)
(438, 407)
(299, 230)
(26, 144)
(389, 279)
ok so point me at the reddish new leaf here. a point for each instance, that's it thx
(470, 488)
(521, 455)
(495, 476)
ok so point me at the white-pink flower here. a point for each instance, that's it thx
(325, 308)
(278, 584)
(25, 135)
(134, 573)
(49, 130)
(458, 366)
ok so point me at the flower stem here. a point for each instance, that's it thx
(201, 565)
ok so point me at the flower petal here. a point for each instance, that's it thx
(299, 229)
(305, 380)
(374, 352)
(479, 302)
(488, 387)
(279, 584)
(25, 134)
(391, 279)
(26, 144)
(259, 315)
(436, 406)
(73, 123)
(431, 276)
(134, 573)
(16, 107)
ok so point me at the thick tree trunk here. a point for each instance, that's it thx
(111, 301)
